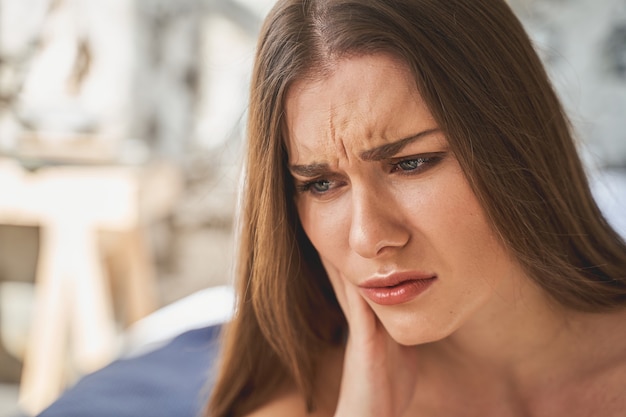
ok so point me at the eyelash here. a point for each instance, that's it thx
(423, 162)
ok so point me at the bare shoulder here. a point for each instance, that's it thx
(288, 403)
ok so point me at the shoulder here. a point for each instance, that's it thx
(288, 403)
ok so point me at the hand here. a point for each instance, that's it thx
(379, 374)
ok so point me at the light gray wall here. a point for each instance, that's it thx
(583, 44)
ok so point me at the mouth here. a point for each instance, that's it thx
(396, 288)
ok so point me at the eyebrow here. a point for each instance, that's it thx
(390, 149)
(375, 154)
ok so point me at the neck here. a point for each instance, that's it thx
(526, 339)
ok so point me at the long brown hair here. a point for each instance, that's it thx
(477, 71)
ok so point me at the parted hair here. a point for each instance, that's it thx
(478, 73)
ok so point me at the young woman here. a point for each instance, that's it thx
(418, 237)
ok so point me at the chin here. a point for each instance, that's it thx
(416, 339)
(416, 332)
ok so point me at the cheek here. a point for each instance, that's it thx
(462, 231)
(324, 225)
(307, 219)
(480, 253)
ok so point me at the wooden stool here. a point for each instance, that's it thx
(71, 204)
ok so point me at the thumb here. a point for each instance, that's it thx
(359, 315)
(362, 320)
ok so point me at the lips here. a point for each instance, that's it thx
(397, 288)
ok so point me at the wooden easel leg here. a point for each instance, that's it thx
(42, 374)
(93, 322)
(139, 286)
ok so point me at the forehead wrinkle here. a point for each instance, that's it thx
(348, 122)
(332, 131)
(348, 127)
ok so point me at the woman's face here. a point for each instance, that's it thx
(385, 202)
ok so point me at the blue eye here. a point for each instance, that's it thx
(315, 187)
(412, 164)
(320, 186)
(416, 164)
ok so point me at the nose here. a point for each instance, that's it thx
(377, 225)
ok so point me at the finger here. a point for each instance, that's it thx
(338, 284)
(363, 321)
(361, 318)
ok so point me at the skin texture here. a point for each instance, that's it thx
(379, 217)
(372, 210)
(482, 333)
(516, 277)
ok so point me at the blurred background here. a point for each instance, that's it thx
(121, 132)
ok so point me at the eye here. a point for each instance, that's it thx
(411, 164)
(416, 164)
(320, 186)
(315, 187)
